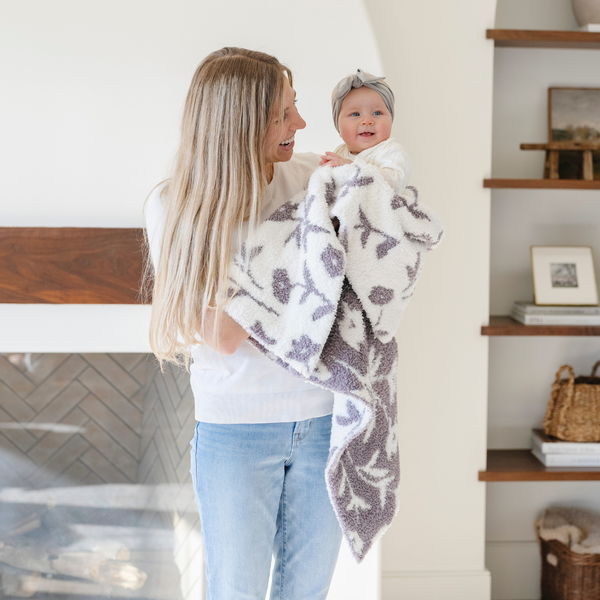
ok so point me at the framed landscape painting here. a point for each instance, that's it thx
(574, 115)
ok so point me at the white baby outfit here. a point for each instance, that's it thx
(389, 156)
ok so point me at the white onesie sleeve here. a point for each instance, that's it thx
(389, 156)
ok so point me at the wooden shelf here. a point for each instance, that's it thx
(501, 325)
(521, 465)
(70, 265)
(523, 38)
(542, 184)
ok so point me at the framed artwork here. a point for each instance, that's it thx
(564, 275)
(574, 116)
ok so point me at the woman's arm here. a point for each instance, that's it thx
(230, 336)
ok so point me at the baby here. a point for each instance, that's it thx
(363, 110)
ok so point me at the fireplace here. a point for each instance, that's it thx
(95, 493)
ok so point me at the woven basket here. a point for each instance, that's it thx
(567, 575)
(573, 412)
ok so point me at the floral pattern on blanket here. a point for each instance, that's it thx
(326, 306)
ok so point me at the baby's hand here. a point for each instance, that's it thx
(331, 159)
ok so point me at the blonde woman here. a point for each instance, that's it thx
(262, 435)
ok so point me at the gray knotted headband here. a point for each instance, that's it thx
(361, 79)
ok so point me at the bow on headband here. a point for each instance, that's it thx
(361, 79)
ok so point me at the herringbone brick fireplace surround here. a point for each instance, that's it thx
(95, 492)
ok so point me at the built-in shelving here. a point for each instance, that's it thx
(543, 184)
(521, 465)
(502, 325)
(524, 38)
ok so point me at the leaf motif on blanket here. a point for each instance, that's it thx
(282, 286)
(413, 272)
(286, 212)
(259, 332)
(381, 295)
(330, 189)
(333, 260)
(401, 201)
(303, 349)
(353, 415)
(244, 263)
(310, 288)
(305, 226)
(357, 181)
(385, 246)
(242, 293)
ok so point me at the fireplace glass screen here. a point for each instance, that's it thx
(95, 491)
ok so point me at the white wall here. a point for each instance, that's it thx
(94, 95)
(523, 369)
(439, 63)
(92, 92)
(91, 99)
(535, 14)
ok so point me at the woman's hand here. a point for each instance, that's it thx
(231, 333)
(331, 159)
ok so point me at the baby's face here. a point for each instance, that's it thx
(364, 120)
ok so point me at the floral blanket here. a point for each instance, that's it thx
(326, 306)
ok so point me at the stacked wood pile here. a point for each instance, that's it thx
(43, 554)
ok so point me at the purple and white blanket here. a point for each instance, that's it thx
(327, 306)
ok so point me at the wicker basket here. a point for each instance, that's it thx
(567, 575)
(573, 412)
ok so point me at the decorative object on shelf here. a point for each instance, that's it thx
(574, 121)
(551, 445)
(564, 275)
(569, 540)
(567, 460)
(567, 158)
(531, 314)
(573, 149)
(573, 412)
(587, 12)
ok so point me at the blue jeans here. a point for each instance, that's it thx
(261, 492)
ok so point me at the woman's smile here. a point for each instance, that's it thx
(279, 146)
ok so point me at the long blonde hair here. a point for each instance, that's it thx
(218, 180)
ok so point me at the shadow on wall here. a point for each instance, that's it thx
(95, 490)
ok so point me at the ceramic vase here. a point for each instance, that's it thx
(586, 11)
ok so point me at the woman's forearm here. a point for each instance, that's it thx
(230, 333)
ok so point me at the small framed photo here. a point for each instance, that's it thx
(564, 275)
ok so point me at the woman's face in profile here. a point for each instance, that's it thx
(279, 146)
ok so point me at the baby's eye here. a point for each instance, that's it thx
(377, 112)
(355, 114)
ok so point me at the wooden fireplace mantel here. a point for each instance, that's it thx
(70, 265)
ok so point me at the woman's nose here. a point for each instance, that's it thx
(300, 122)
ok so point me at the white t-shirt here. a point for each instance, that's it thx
(247, 387)
(389, 156)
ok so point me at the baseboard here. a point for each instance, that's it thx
(436, 585)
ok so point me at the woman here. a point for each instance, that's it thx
(262, 438)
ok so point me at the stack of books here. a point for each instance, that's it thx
(553, 452)
(530, 314)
